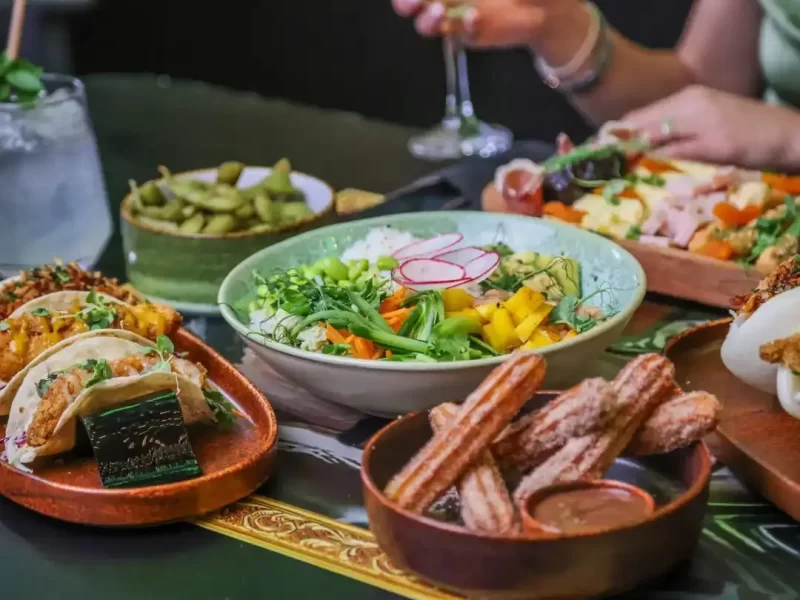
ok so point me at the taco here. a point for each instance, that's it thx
(91, 373)
(48, 320)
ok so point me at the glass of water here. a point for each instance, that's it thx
(460, 132)
(53, 202)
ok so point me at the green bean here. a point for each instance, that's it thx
(332, 267)
(173, 210)
(151, 194)
(386, 263)
(245, 211)
(264, 208)
(229, 172)
(220, 224)
(193, 224)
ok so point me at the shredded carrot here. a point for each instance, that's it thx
(786, 184)
(717, 249)
(395, 324)
(364, 348)
(377, 354)
(749, 213)
(562, 212)
(334, 337)
(394, 301)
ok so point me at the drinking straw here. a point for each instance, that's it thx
(15, 28)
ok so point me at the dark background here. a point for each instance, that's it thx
(355, 55)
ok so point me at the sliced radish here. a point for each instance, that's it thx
(429, 247)
(431, 270)
(480, 268)
(461, 256)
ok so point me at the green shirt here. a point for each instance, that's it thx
(779, 51)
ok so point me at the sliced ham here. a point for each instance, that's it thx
(681, 225)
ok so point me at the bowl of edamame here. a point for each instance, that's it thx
(183, 233)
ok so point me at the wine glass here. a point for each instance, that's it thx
(460, 133)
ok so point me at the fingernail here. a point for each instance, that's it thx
(470, 19)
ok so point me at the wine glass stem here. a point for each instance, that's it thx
(451, 107)
(466, 110)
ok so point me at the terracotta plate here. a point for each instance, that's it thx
(588, 565)
(235, 463)
(756, 438)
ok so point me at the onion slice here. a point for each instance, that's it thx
(461, 256)
(428, 247)
(431, 270)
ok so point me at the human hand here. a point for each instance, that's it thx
(700, 123)
(557, 24)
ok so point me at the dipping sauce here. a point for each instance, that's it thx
(598, 506)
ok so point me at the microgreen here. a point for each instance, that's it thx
(164, 348)
(101, 371)
(220, 406)
(40, 312)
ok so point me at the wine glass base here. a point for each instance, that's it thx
(447, 141)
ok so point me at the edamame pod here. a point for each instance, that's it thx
(215, 203)
(229, 172)
(294, 211)
(173, 210)
(151, 194)
(261, 228)
(264, 208)
(245, 211)
(193, 224)
(220, 224)
(189, 211)
(158, 223)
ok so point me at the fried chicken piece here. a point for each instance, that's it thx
(785, 352)
(782, 279)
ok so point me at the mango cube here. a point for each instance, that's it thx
(457, 299)
(523, 303)
(469, 313)
(539, 339)
(490, 337)
(486, 310)
(503, 326)
(525, 329)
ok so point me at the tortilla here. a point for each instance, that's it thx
(109, 345)
(63, 302)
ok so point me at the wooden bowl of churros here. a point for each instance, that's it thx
(521, 493)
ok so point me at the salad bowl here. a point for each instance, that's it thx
(608, 273)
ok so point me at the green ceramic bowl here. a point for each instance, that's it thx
(186, 270)
(393, 388)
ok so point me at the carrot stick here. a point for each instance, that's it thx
(394, 301)
(400, 312)
(333, 336)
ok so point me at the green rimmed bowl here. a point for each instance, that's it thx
(394, 388)
(185, 270)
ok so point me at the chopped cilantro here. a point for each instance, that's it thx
(634, 232)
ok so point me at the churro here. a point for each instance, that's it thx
(485, 502)
(580, 410)
(676, 424)
(485, 413)
(641, 386)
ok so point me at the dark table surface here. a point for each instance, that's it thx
(748, 549)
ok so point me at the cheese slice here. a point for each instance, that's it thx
(607, 218)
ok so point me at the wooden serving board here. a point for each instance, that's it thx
(671, 271)
(756, 438)
(235, 462)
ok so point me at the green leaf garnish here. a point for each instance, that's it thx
(40, 312)
(221, 407)
(164, 345)
(20, 80)
(101, 371)
(634, 233)
(336, 349)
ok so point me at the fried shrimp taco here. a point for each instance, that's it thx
(47, 321)
(92, 373)
(759, 343)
